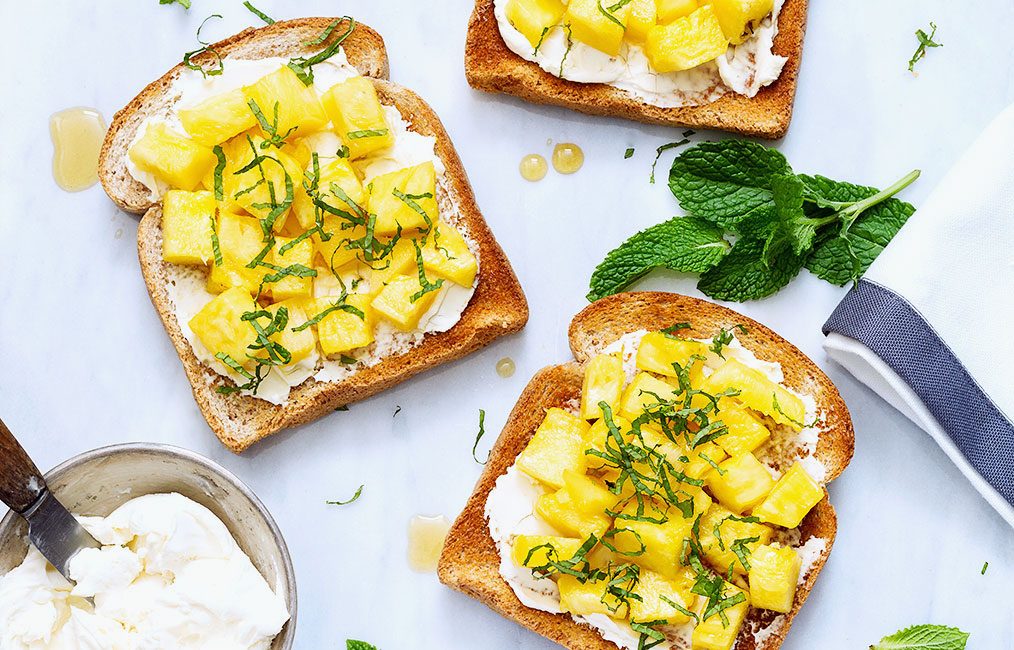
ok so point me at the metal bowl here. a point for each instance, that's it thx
(98, 481)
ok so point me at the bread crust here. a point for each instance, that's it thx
(491, 66)
(470, 561)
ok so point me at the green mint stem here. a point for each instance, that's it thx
(886, 193)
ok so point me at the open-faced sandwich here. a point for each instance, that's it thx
(718, 64)
(666, 490)
(310, 237)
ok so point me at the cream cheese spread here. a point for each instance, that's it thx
(169, 575)
(744, 69)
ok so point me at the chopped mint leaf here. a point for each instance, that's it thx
(925, 41)
(352, 644)
(924, 637)
(478, 437)
(628, 153)
(348, 501)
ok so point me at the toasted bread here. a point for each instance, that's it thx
(497, 307)
(491, 66)
(470, 560)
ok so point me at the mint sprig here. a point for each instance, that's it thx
(924, 637)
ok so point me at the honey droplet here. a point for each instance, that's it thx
(426, 537)
(533, 167)
(505, 367)
(77, 135)
(567, 157)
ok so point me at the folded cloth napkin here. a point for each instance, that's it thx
(930, 327)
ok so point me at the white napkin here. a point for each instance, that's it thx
(930, 327)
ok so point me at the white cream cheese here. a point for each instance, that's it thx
(169, 575)
(743, 69)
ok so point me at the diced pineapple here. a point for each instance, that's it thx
(663, 542)
(537, 550)
(446, 255)
(558, 444)
(588, 494)
(342, 330)
(597, 434)
(300, 344)
(218, 118)
(590, 24)
(642, 17)
(658, 353)
(357, 116)
(338, 171)
(298, 105)
(735, 16)
(696, 463)
(723, 533)
(792, 497)
(392, 196)
(401, 260)
(746, 432)
(740, 483)
(533, 17)
(590, 597)
(220, 327)
(774, 572)
(240, 240)
(670, 10)
(336, 252)
(603, 382)
(290, 286)
(686, 42)
(559, 510)
(187, 222)
(653, 590)
(642, 392)
(758, 392)
(403, 302)
(718, 632)
(172, 157)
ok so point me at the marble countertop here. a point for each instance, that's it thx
(85, 361)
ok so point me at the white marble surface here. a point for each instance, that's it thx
(85, 362)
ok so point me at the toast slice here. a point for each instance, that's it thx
(491, 66)
(470, 560)
(497, 307)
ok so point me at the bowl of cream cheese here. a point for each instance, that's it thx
(191, 559)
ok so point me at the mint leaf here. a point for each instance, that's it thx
(352, 644)
(681, 244)
(744, 275)
(924, 637)
(726, 182)
(185, 3)
(791, 229)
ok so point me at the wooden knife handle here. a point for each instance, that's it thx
(21, 484)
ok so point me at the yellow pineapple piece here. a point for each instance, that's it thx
(537, 550)
(590, 597)
(663, 542)
(248, 190)
(735, 16)
(187, 222)
(774, 572)
(740, 483)
(657, 353)
(686, 42)
(589, 494)
(590, 24)
(643, 15)
(792, 497)
(603, 382)
(533, 17)
(716, 632)
(402, 301)
(560, 510)
(220, 327)
(596, 436)
(218, 118)
(722, 533)
(357, 116)
(401, 260)
(670, 10)
(558, 444)
(746, 432)
(338, 171)
(652, 587)
(290, 286)
(298, 105)
(758, 392)
(336, 253)
(240, 240)
(172, 157)
(697, 462)
(343, 330)
(300, 344)
(446, 255)
(392, 194)
(644, 391)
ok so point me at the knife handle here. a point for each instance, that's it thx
(21, 484)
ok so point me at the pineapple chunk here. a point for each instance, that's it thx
(695, 463)
(603, 382)
(187, 221)
(240, 240)
(686, 42)
(590, 24)
(218, 118)
(792, 497)
(336, 253)
(401, 260)
(758, 392)
(291, 286)
(171, 157)
(651, 588)
(300, 344)
(537, 550)
(220, 327)
(722, 533)
(657, 353)
(642, 392)
(774, 572)
(716, 632)
(597, 434)
(746, 432)
(253, 192)
(735, 16)
(663, 543)
(416, 185)
(339, 172)
(298, 105)
(533, 17)
(357, 116)
(558, 444)
(400, 301)
(446, 255)
(582, 598)
(559, 510)
(341, 331)
(670, 10)
(740, 483)
(589, 495)
(642, 17)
